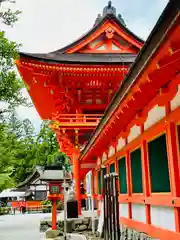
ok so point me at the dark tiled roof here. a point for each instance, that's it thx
(83, 58)
(35, 175)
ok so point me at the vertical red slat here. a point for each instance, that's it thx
(146, 179)
(129, 183)
(173, 161)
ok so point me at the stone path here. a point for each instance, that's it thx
(21, 227)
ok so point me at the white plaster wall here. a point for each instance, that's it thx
(111, 151)
(121, 143)
(154, 115)
(95, 184)
(135, 131)
(38, 188)
(163, 217)
(88, 182)
(138, 213)
(104, 157)
(176, 100)
(101, 218)
(41, 188)
(123, 210)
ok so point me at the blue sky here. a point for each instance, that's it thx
(46, 25)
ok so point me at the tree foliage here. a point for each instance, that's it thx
(21, 150)
(10, 84)
(9, 17)
(47, 147)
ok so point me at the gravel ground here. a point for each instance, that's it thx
(21, 227)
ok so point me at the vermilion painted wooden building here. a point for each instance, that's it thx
(139, 135)
(74, 85)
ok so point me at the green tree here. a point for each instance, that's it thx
(9, 17)
(23, 147)
(10, 84)
(6, 161)
(21, 152)
(46, 145)
(10, 95)
(47, 149)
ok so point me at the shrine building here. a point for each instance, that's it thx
(114, 103)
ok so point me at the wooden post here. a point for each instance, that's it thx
(146, 180)
(93, 182)
(54, 214)
(76, 172)
(173, 161)
(129, 183)
(116, 161)
(92, 199)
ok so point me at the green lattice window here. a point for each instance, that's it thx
(122, 175)
(99, 182)
(112, 168)
(158, 165)
(104, 171)
(136, 171)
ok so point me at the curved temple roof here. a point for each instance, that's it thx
(60, 55)
(83, 58)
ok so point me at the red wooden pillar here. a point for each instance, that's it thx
(93, 182)
(146, 180)
(76, 172)
(54, 214)
(97, 191)
(93, 190)
(96, 185)
(173, 161)
(116, 162)
(129, 183)
(108, 168)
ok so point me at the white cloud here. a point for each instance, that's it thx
(46, 25)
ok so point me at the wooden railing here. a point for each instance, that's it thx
(77, 120)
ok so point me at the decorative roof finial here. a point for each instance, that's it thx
(98, 19)
(109, 4)
(109, 9)
(121, 19)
